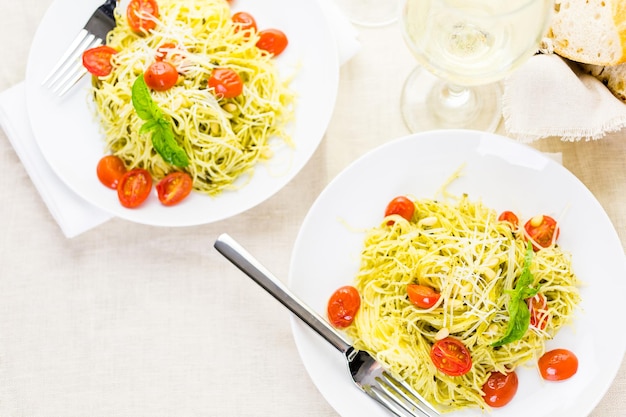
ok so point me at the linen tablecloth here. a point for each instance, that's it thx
(128, 320)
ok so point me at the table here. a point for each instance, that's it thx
(131, 320)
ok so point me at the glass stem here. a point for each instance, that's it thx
(454, 104)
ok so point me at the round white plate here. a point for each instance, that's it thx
(68, 134)
(505, 175)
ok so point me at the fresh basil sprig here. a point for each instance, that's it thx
(156, 124)
(519, 314)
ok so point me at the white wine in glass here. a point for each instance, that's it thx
(371, 13)
(465, 48)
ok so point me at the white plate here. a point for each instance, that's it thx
(504, 175)
(69, 137)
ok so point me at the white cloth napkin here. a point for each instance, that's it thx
(73, 214)
(550, 96)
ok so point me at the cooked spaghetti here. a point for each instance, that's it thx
(223, 138)
(473, 260)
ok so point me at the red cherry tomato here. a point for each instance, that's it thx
(110, 170)
(161, 76)
(542, 230)
(244, 21)
(451, 357)
(500, 388)
(164, 50)
(226, 82)
(401, 206)
(510, 217)
(538, 311)
(134, 187)
(422, 295)
(558, 364)
(141, 15)
(98, 60)
(273, 41)
(343, 306)
(174, 187)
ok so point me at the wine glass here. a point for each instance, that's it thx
(371, 13)
(465, 48)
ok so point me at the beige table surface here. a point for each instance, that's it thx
(128, 320)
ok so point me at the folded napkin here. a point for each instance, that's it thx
(550, 96)
(73, 214)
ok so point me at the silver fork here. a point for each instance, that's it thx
(69, 69)
(394, 394)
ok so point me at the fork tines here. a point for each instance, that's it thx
(69, 69)
(399, 397)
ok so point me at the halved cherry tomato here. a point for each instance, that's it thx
(174, 187)
(510, 217)
(141, 15)
(273, 41)
(98, 60)
(401, 206)
(110, 169)
(422, 296)
(451, 357)
(542, 230)
(163, 50)
(538, 311)
(558, 364)
(134, 187)
(244, 21)
(161, 76)
(500, 388)
(343, 306)
(226, 82)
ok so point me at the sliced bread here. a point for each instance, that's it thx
(590, 31)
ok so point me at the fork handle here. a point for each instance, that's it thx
(242, 259)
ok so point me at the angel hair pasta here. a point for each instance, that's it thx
(473, 261)
(223, 137)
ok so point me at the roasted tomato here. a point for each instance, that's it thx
(98, 60)
(110, 170)
(343, 306)
(141, 15)
(509, 217)
(401, 206)
(538, 311)
(542, 230)
(161, 76)
(422, 296)
(273, 41)
(226, 82)
(244, 21)
(558, 364)
(134, 187)
(174, 187)
(500, 389)
(451, 357)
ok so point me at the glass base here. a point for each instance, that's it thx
(370, 13)
(430, 103)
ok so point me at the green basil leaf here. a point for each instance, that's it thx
(519, 314)
(142, 101)
(148, 127)
(165, 144)
(163, 139)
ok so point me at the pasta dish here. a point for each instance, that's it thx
(223, 137)
(474, 261)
